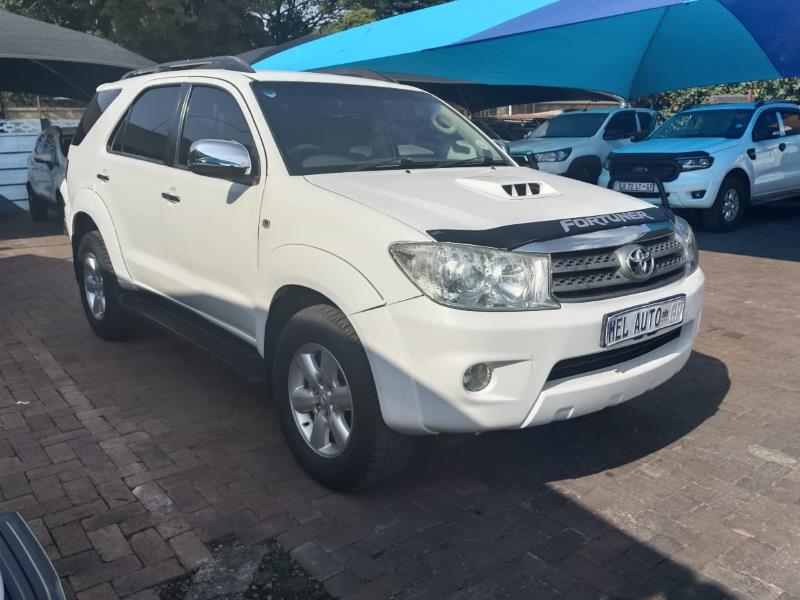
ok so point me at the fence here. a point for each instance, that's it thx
(17, 139)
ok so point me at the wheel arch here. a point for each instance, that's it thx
(87, 213)
(297, 276)
(590, 161)
(740, 174)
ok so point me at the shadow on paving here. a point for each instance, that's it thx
(493, 516)
(18, 226)
(767, 231)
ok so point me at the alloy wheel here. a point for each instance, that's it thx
(321, 400)
(93, 287)
(730, 205)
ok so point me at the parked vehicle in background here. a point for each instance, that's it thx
(719, 159)
(373, 254)
(47, 166)
(576, 143)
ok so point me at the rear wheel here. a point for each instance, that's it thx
(37, 205)
(728, 209)
(100, 290)
(328, 404)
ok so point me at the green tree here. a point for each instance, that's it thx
(670, 102)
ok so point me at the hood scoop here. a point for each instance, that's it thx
(507, 188)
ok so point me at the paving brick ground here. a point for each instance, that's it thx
(128, 459)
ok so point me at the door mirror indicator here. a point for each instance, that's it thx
(219, 158)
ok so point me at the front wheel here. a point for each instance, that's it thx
(728, 209)
(328, 404)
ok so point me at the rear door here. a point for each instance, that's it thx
(769, 173)
(131, 175)
(791, 133)
(210, 224)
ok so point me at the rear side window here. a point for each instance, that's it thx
(791, 122)
(100, 102)
(214, 114)
(143, 131)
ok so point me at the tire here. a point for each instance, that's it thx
(38, 207)
(729, 206)
(371, 452)
(583, 171)
(101, 303)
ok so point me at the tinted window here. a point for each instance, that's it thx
(144, 130)
(622, 124)
(99, 103)
(645, 121)
(583, 124)
(791, 122)
(766, 127)
(723, 122)
(331, 128)
(214, 114)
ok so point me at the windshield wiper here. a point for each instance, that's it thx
(392, 163)
(477, 160)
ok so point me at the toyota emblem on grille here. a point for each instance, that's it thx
(636, 262)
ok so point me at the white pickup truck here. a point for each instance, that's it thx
(373, 255)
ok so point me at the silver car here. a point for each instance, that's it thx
(47, 167)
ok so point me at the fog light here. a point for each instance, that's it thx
(698, 194)
(477, 377)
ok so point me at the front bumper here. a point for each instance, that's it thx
(679, 191)
(556, 168)
(419, 351)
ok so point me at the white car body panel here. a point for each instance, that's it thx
(225, 252)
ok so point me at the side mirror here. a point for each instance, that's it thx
(45, 159)
(525, 160)
(639, 136)
(219, 158)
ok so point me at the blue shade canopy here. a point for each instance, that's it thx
(630, 48)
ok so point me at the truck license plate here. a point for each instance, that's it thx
(636, 186)
(642, 320)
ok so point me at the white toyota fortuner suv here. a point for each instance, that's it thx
(576, 143)
(372, 254)
(719, 158)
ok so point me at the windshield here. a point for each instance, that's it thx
(570, 125)
(334, 128)
(710, 123)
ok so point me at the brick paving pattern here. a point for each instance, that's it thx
(129, 459)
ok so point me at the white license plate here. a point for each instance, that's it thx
(636, 186)
(642, 320)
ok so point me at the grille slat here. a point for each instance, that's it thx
(635, 165)
(595, 274)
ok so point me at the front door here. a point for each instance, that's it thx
(791, 133)
(211, 225)
(769, 172)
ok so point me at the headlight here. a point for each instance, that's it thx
(474, 278)
(695, 163)
(686, 236)
(554, 156)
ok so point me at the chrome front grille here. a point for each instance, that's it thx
(596, 274)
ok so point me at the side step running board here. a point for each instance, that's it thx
(224, 346)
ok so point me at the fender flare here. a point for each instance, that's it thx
(318, 270)
(87, 202)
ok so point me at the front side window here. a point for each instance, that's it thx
(567, 125)
(622, 124)
(143, 132)
(767, 126)
(728, 123)
(332, 128)
(791, 122)
(214, 114)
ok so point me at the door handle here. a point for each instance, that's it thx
(103, 177)
(170, 197)
(782, 147)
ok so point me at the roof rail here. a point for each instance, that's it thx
(356, 72)
(775, 101)
(228, 63)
